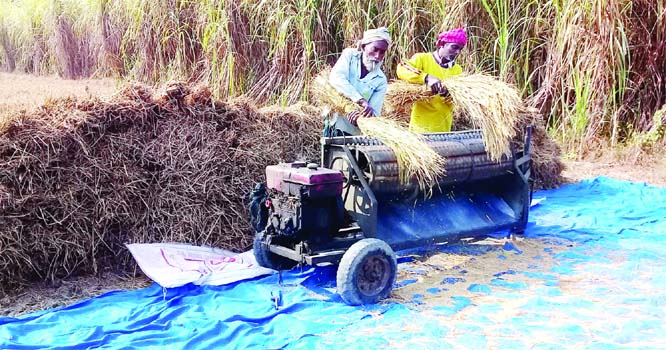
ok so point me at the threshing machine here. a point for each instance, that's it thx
(352, 210)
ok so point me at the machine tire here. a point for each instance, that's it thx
(267, 259)
(367, 272)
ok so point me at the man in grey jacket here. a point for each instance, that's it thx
(358, 75)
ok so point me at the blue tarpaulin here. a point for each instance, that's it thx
(603, 290)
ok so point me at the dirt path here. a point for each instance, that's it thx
(22, 91)
(654, 174)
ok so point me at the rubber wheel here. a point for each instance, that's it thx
(267, 259)
(367, 272)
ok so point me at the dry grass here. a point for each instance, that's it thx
(547, 165)
(592, 67)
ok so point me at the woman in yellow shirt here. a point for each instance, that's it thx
(436, 113)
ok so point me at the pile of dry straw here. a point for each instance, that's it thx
(80, 178)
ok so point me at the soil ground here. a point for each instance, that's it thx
(653, 173)
(24, 92)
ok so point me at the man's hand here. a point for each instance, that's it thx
(443, 91)
(353, 117)
(434, 84)
(367, 110)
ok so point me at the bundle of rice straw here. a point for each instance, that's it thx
(328, 96)
(399, 99)
(400, 96)
(491, 105)
(416, 160)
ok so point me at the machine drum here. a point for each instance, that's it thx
(367, 272)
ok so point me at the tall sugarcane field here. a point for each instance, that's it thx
(128, 121)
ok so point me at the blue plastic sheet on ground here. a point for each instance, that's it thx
(605, 291)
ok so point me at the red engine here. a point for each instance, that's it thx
(302, 201)
(297, 179)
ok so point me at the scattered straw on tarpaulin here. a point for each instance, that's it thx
(491, 104)
(415, 158)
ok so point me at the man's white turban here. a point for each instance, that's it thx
(372, 35)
